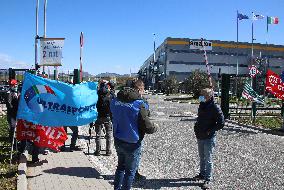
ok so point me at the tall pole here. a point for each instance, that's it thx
(252, 35)
(253, 81)
(154, 39)
(81, 55)
(237, 43)
(44, 26)
(36, 36)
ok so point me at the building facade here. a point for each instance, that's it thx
(175, 57)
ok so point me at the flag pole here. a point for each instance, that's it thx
(253, 81)
(237, 42)
(44, 27)
(36, 36)
(81, 56)
(252, 36)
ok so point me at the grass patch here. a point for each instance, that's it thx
(266, 122)
(8, 174)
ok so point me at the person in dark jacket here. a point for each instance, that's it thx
(12, 101)
(104, 117)
(209, 120)
(130, 124)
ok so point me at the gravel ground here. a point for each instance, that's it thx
(244, 158)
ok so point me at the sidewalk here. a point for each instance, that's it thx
(64, 170)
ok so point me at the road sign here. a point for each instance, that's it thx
(253, 71)
(51, 51)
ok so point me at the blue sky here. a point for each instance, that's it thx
(118, 33)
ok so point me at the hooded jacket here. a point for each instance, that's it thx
(210, 119)
(104, 98)
(130, 117)
(12, 102)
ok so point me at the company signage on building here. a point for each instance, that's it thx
(198, 45)
(51, 51)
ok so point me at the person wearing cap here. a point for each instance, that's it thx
(210, 119)
(12, 101)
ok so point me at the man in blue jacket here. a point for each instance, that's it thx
(130, 123)
(209, 120)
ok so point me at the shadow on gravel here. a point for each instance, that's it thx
(267, 131)
(239, 130)
(160, 183)
(86, 172)
(191, 119)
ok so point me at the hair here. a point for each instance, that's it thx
(138, 83)
(208, 92)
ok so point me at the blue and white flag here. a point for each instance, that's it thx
(54, 103)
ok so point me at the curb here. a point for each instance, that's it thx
(22, 183)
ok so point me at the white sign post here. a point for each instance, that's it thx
(198, 45)
(51, 51)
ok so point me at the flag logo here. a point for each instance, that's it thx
(35, 91)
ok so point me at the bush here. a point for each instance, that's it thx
(197, 81)
(7, 173)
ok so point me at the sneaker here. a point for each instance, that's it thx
(97, 153)
(206, 185)
(139, 177)
(198, 177)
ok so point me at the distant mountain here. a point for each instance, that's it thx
(108, 75)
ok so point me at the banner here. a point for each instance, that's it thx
(53, 103)
(42, 136)
(274, 84)
(51, 51)
(250, 94)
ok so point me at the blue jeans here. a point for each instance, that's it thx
(128, 159)
(205, 150)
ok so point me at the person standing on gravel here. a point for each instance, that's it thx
(130, 123)
(209, 120)
(104, 117)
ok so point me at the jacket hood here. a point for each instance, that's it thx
(128, 95)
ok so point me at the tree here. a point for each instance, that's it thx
(196, 81)
(170, 85)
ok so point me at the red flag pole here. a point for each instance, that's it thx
(81, 58)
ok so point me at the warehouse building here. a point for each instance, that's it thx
(180, 56)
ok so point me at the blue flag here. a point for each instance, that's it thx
(242, 16)
(54, 103)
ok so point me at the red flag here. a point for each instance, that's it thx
(42, 136)
(274, 84)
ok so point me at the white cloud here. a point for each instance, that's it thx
(7, 61)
